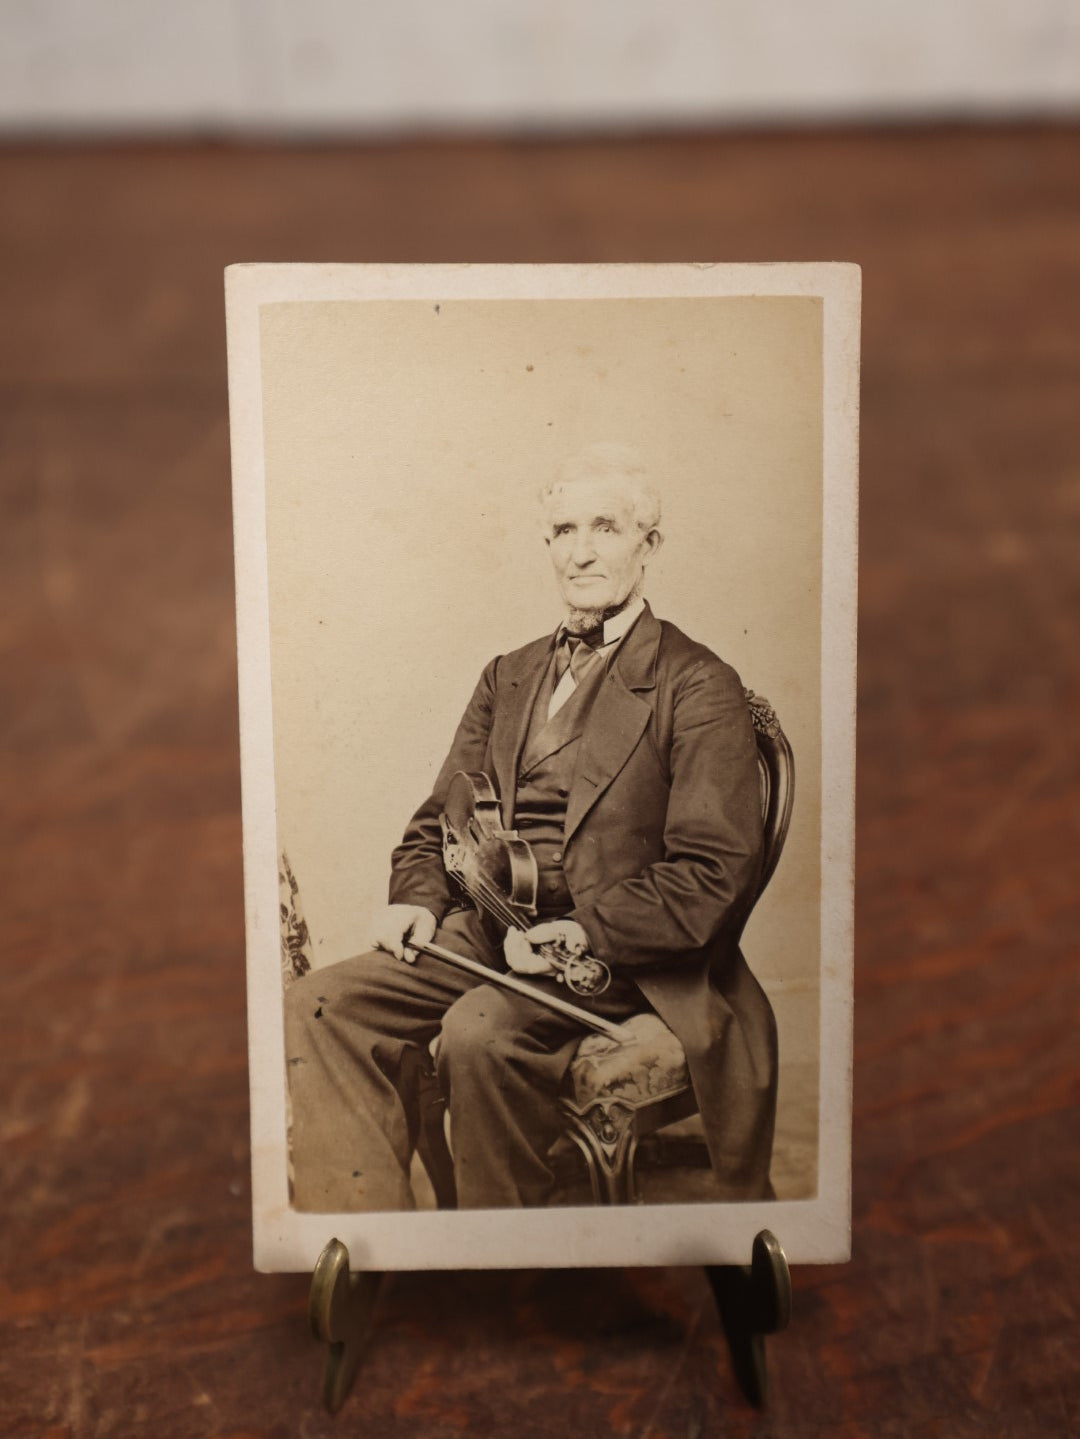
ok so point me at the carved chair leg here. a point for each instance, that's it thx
(427, 1105)
(604, 1133)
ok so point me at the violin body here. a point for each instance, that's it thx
(478, 853)
(497, 870)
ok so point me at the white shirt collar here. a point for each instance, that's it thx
(619, 624)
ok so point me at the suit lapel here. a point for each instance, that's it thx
(566, 724)
(522, 674)
(616, 720)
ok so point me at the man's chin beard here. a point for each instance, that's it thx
(580, 621)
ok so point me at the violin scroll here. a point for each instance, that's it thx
(581, 972)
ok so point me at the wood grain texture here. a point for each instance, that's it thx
(126, 1294)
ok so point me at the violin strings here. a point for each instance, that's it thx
(494, 897)
(497, 904)
(500, 908)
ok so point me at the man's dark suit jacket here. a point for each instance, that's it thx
(662, 855)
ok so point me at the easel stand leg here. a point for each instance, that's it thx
(753, 1301)
(340, 1308)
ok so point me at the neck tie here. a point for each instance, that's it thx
(576, 654)
(582, 660)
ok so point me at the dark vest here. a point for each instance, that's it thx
(545, 774)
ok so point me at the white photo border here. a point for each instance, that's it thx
(812, 1230)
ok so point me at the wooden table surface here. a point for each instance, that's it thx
(127, 1297)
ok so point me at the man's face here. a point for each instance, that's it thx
(598, 552)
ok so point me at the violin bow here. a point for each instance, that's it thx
(521, 986)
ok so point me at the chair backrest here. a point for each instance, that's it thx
(776, 765)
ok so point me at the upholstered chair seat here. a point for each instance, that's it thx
(648, 1064)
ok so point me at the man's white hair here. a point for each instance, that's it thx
(619, 464)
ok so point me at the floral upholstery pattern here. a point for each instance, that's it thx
(295, 939)
(649, 1064)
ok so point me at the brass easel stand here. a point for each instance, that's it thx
(340, 1308)
(753, 1300)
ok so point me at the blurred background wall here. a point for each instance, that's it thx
(154, 67)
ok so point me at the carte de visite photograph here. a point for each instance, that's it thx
(546, 604)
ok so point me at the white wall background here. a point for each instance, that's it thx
(225, 66)
(404, 442)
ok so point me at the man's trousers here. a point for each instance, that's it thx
(502, 1058)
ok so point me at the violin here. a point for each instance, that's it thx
(497, 870)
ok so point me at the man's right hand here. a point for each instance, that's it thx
(398, 923)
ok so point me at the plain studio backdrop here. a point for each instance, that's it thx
(405, 443)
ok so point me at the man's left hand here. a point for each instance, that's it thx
(522, 949)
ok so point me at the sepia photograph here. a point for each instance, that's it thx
(546, 616)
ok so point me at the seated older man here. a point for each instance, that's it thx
(622, 752)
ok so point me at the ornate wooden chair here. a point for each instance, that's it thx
(620, 1092)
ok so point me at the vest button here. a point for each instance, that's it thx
(556, 856)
